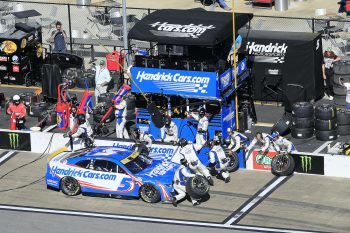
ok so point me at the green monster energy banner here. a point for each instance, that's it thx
(12, 140)
(310, 164)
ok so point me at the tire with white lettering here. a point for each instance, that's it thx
(325, 125)
(302, 133)
(149, 193)
(282, 165)
(197, 187)
(70, 186)
(283, 125)
(326, 135)
(325, 112)
(343, 130)
(234, 163)
(343, 117)
(302, 123)
(303, 109)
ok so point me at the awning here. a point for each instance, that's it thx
(187, 27)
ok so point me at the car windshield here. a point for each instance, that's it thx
(137, 162)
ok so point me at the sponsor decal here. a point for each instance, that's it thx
(52, 182)
(14, 140)
(3, 58)
(317, 44)
(263, 161)
(3, 68)
(177, 30)
(161, 169)
(310, 164)
(269, 53)
(23, 43)
(8, 47)
(306, 163)
(55, 170)
(15, 68)
(225, 79)
(15, 59)
(39, 50)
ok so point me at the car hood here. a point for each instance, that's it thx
(160, 170)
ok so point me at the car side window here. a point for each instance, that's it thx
(121, 170)
(105, 166)
(83, 163)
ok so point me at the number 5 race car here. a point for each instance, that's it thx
(111, 171)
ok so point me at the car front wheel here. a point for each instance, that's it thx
(70, 186)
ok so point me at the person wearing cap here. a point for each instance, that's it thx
(329, 58)
(282, 144)
(102, 78)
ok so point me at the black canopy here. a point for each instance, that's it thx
(187, 27)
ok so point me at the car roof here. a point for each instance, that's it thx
(102, 153)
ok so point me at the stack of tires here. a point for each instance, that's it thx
(343, 121)
(71, 75)
(326, 122)
(302, 120)
(87, 79)
(341, 71)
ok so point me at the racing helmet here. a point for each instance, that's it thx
(183, 142)
(16, 99)
(275, 135)
(167, 121)
(81, 118)
(202, 112)
(184, 162)
(216, 140)
(227, 141)
(229, 130)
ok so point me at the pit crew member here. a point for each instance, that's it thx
(72, 117)
(282, 144)
(83, 131)
(19, 110)
(189, 153)
(169, 132)
(263, 138)
(237, 140)
(182, 174)
(202, 128)
(120, 113)
(218, 160)
(142, 137)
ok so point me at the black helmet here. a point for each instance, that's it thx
(137, 133)
(202, 112)
(227, 141)
(184, 162)
(167, 121)
(183, 142)
(81, 119)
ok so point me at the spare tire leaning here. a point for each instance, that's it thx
(302, 133)
(326, 135)
(325, 125)
(197, 187)
(343, 117)
(303, 110)
(283, 125)
(343, 130)
(303, 123)
(325, 112)
(339, 90)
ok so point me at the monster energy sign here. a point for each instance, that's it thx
(14, 140)
(311, 164)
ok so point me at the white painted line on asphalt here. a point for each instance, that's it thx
(252, 203)
(3, 158)
(324, 145)
(148, 219)
(51, 127)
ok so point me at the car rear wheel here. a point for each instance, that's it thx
(149, 193)
(70, 186)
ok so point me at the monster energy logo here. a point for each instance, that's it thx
(14, 140)
(306, 163)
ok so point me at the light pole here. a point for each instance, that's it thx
(125, 34)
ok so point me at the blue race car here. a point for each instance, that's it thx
(111, 171)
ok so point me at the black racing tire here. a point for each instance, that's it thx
(37, 108)
(340, 100)
(29, 97)
(141, 148)
(98, 117)
(303, 110)
(343, 79)
(341, 67)
(343, 130)
(325, 112)
(343, 117)
(106, 97)
(197, 187)
(339, 90)
(70, 186)
(234, 162)
(88, 78)
(149, 193)
(282, 126)
(302, 123)
(302, 133)
(326, 135)
(282, 165)
(325, 125)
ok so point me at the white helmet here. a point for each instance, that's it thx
(229, 130)
(16, 98)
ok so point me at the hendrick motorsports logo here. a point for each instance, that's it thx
(178, 30)
(306, 163)
(271, 53)
(14, 140)
(263, 159)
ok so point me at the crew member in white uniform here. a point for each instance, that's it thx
(102, 78)
(83, 130)
(218, 159)
(169, 132)
(189, 153)
(182, 174)
(282, 144)
(263, 138)
(202, 128)
(72, 117)
(120, 114)
(141, 136)
(237, 140)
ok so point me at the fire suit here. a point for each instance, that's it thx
(169, 134)
(219, 160)
(283, 144)
(267, 145)
(237, 141)
(181, 176)
(120, 114)
(202, 129)
(83, 130)
(20, 112)
(189, 153)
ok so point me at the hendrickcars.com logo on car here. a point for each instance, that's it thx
(80, 173)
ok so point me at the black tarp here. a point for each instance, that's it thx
(295, 56)
(187, 27)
